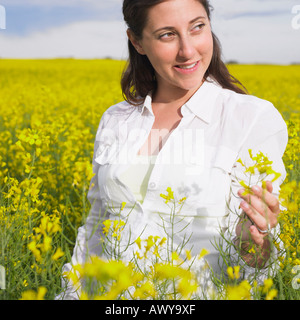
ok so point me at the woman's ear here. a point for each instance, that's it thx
(135, 42)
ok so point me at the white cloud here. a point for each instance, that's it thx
(256, 31)
(89, 39)
(63, 3)
(259, 42)
(250, 31)
(229, 9)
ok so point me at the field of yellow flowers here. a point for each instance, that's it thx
(49, 114)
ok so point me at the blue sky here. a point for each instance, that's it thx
(251, 31)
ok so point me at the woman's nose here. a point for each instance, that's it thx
(186, 49)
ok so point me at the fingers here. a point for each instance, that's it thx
(262, 207)
(259, 222)
(262, 199)
(266, 194)
(259, 219)
(269, 186)
(256, 236)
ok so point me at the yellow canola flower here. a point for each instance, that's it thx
(140, 257)
(58, 254)
(48, 225)
(261, 165)
(162, 241)
(170, 271)
(32, 295)
(203, 253)
(153, 244)
(233, 273)
(242, 291)
(145, 291)
(74, 275)
(107, 224)
(252, 249)
(138, 241)
(169, 196)
(123, 205)
(175, 256)
(115, 226)
(32, 246)
(47, 244)
(188, 254)
(272, 294)
(150, 243)
(268, 283)
(114, 276)
(186, 287)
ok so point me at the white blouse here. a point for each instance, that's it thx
(198, 161)
(137, 175)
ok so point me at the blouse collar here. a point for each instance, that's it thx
(200, 104)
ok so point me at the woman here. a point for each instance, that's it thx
(185, 123)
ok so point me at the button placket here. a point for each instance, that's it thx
(158, 166)
(134, 149)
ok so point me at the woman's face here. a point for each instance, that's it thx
(177, 40)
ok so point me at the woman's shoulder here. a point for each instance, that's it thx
(121, 111)
(250, 120)
(250, 107)
(121, 108)
(234, 99)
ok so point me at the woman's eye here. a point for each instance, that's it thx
(199, 26)
(166, 35)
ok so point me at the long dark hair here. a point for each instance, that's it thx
(138, 78)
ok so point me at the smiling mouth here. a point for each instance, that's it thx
(187, 67)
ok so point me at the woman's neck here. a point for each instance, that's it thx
(168, 95)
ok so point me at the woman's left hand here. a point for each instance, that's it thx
(262, 207)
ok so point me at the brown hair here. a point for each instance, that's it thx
(138, 78)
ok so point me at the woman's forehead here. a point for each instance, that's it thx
(174, 12)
